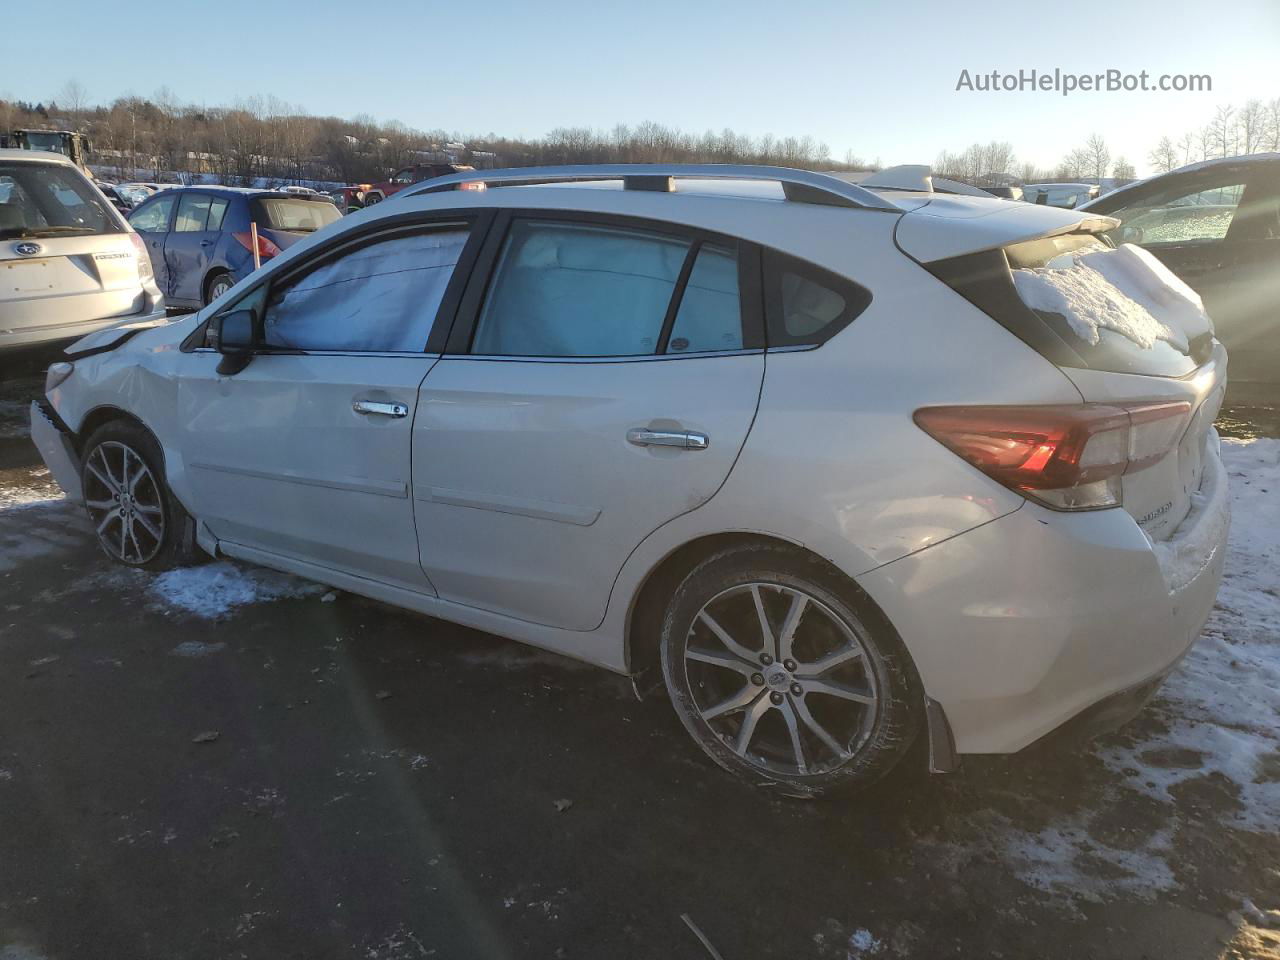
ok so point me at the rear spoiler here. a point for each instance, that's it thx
(947, 227)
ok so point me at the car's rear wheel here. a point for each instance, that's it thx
(371, 198)
(217, 286)
(137, 519)
(784, 676)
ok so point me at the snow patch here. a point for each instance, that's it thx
(196, 649)
(213, 590)
(1122, 290)
(1063, 857)
(1222, 705)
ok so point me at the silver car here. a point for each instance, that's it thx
(69, 262)
(834, 466)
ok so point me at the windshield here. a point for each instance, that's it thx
(298, 216)
(44, 199)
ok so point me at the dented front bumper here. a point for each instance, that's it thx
(57, 450)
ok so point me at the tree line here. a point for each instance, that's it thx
(1252, 128)
(265, 138)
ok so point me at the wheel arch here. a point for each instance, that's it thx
(212, 275)
(644, 615)
(644, 619)
(106, 413)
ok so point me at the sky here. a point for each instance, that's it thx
(875, 78)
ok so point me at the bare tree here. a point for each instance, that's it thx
(1222, 132)
(74, 99)
(1164, 157)
(1123, 170)
(1098, 157)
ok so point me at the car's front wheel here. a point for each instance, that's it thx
(784, 676)
(137, 519)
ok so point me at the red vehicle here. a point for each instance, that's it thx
(365, 194)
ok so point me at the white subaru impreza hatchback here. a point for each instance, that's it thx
(839, 466)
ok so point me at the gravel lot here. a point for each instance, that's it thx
(224, 762)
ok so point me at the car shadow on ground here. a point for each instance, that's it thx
(191, 768)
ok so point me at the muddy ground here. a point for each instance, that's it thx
(268, 771)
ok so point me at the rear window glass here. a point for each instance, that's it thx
(296, 216)
(1120, 309)
(44, 200)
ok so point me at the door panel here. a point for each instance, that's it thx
(529, 495)
(279, 459)
(188, 248)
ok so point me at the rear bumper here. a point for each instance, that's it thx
(55, 332)
(57, 451)
(1030, 620)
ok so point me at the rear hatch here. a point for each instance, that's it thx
(1132, 337)
(286, 219)
(65, 257)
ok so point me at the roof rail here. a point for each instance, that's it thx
(798, 186)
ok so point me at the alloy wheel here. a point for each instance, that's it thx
(124, 501)
(218, 288)
(781, 679)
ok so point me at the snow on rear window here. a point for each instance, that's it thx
(1125, 290)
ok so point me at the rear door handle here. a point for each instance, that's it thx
(668, 438)
(377, 407)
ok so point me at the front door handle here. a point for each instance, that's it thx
(381, 409)
(668, 438)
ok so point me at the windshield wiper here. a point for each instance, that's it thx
(14, 232)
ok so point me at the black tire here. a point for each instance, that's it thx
(216, 285)
(872, 736)
(125, 516)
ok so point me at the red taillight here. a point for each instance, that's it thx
(145, 273)
(266, 248)
(472, 185)
(1068, 457)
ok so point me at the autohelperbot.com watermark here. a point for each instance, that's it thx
(1065, 82)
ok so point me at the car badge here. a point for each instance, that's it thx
(27, 248)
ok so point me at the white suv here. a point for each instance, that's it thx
(69, 262)
(839, 466)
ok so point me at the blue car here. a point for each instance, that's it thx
(201, 243)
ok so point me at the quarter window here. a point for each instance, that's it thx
(380, 298)
(806, 305)
(575, 290)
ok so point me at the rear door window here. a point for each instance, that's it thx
(193, 213)
(217, 212)
(579, 290)
(710, 312)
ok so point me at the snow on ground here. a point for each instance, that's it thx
(1222, 705)
(213, 590)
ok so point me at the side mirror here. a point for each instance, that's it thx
(1131, 235)
(234, 335)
